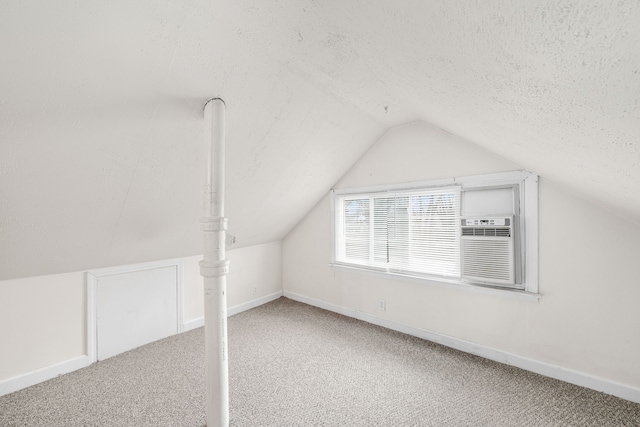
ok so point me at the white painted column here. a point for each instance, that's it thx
(214, 268)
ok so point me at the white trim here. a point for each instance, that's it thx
(485, 180)
(499, 179)
(131, 268)
(530, 201)
(448, 182)
(442, 283)
(36, 376)
(527, 253)
(253, 303)
(582, 379)
(192, 324)
(91, 336)
(199, 322)
(180, 294)
(92, 281)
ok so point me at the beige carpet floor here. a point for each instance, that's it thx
(296, 365)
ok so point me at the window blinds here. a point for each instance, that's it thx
(411, 231)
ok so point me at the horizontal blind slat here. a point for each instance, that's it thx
(411, 231)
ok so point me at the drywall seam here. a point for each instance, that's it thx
(623, 391)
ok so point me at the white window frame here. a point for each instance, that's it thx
(447, 269)
(525, 185)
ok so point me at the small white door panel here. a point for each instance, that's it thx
(135, 308)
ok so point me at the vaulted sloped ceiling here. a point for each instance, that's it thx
(101, 123)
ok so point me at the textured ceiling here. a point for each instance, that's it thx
(101, 125)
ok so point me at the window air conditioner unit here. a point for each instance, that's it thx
(488, 250)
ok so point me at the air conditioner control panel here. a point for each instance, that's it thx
(486, 222)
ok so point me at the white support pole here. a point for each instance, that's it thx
(214, 268)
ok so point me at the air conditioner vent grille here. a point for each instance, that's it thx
(488, 259)
(484, 231)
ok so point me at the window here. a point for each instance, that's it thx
(405, 231)
(415, 230)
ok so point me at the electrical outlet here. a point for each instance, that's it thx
(382, 305)
(255, 290)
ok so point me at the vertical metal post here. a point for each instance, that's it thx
(214, 267)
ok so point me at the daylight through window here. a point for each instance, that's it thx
(472, 230)
(404, 232)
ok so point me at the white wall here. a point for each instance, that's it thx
(587, 319)
(44, 318)
(43, 322)
(254, 272)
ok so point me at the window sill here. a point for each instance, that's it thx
(443, 283)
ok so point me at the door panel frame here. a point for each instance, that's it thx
(92, 283)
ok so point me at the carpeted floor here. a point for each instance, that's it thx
(296, 365)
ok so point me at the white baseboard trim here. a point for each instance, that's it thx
(28, 379)
(582, 379)
(193, 324)
(34, 377)
(253, 303)
(199, 322)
